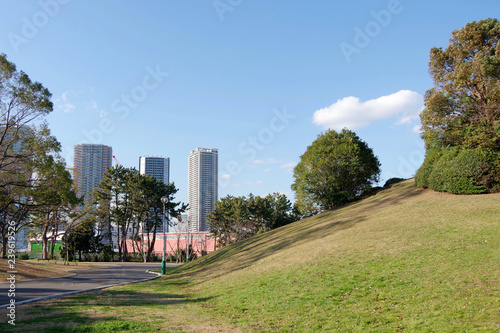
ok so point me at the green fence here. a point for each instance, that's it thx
(37, 247)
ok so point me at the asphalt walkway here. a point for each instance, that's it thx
(95, 278)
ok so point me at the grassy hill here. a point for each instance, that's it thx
(405, 259)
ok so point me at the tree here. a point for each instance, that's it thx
(106, 198)
(24, 139)
(80, 239)
(53, 197)
(237, 218)
(336, 169)
(281, 211)
(113, 205)
(148, 210)
(230, 220)
(272, 211)
(462, 110)
(23, 104)
(26, 177)
(131, 202)
(80, 224)
(14, 216)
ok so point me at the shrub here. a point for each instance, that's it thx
(23, 256)
(62, 253)
(181, 254)
(425, 170)
(371, 191)
(393, 181)
(134, 257)
(106, 254)
(157, 258)
(463, 171)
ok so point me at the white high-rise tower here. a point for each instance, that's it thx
(202, 186)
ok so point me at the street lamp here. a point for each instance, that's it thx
(164, 200)
(187, 245)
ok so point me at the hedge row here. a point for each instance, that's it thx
(460, 171)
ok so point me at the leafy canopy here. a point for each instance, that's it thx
(336, 169)
(461, 119)
(463, 108)
(237, 218)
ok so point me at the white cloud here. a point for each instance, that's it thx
(350, 112)
(417, 129)
(63, 104)
(68, 107)
(257, 182)
(268, 161)
(288, 194)
(93, 104)
(226, 176)
(266, 170)
(288, 165)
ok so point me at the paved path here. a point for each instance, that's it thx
(95, 278)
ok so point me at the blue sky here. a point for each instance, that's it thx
(259, 80)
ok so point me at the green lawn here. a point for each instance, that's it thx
(403, 260)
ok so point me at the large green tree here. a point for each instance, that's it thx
(336, 169)
(462, 112)
(463, 107)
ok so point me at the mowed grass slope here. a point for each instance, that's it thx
(405, 259)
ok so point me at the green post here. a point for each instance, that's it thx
(164, 200)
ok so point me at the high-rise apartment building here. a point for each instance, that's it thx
(158, 167)
(90, 163)
(202, 186)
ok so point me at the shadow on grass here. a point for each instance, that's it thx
(245, 253)
(128, 298)
(393, 196)
(88, 311)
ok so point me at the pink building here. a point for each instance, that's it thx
(199, 241)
